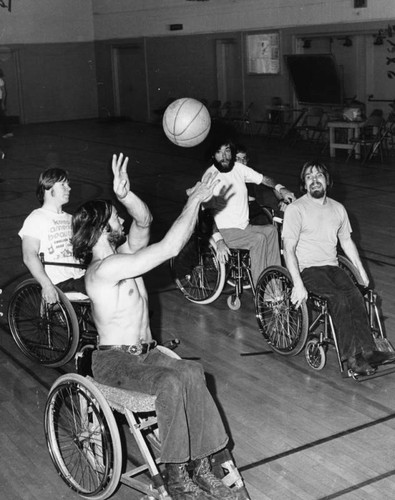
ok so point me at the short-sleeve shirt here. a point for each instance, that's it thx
(236, 212)
(316, 228)
(54, 233)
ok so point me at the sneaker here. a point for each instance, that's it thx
(360, 366)
(8, 135)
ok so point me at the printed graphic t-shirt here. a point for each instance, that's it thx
(54, 233)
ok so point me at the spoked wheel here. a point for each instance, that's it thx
(197, 272)
(82, 437)
(315, 354)
(47, 333)
(284, 328)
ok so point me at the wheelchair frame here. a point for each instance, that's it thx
(84, 443)
(201, 277)
(288, 331)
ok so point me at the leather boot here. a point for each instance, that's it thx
(203, 476)
(181, 487)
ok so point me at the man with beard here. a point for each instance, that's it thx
(190, 426)
(313, 225)
(47, 230)
(231, 212)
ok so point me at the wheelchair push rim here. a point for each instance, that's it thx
(197, 272)
(82, 437)
(284, 327)
(45, 333)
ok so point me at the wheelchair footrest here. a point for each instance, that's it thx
(378, 373)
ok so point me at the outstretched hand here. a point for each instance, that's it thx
(204, 189)
(121, 183)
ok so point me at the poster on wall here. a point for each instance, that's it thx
(263, 53)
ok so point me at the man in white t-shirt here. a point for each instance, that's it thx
(231, 211)
(47, 230)
(313, 226)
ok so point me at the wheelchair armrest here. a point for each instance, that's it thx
(62, 264)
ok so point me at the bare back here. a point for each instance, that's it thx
(120, 310)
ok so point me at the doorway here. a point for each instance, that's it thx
(130, 82)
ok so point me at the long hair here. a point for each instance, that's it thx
(88, 224)
(321, 168)
(47, 179)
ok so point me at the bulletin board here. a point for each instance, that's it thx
(263, 54)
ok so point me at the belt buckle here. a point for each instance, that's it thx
(136, 350)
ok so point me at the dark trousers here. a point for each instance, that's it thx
(190, 426)
(346, 306)
(73, 285)
(3, 120)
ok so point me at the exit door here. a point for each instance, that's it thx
(130, 83)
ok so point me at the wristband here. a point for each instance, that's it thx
(278, 187)
(217, 237)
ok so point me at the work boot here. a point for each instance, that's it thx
(181, 487)
(203, 476)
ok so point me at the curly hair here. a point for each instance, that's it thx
(88, 224)
(47, 179)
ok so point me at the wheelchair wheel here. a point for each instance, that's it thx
(197, 272)
(283, 327)
(45, 333)
(315, 354)
(82, 437)
(260, 215)
(351, 270)
(233, 302)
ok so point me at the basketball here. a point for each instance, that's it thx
(186, 122)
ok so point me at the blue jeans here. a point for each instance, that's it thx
(261, 241)
(190, 426)
(346, 306)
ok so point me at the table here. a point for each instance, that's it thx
(353, 131)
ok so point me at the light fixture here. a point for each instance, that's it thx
(306, 43)
(347, 42)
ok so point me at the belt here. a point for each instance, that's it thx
(136, 350)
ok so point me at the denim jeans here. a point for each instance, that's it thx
(190, 426)
(261, 241)
(346, 306)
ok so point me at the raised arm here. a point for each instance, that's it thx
(125, 265)
(139, 232)
(31, 259)
(282, 191)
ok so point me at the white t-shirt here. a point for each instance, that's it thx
(236, 212)
(316, 228)
(54, 232)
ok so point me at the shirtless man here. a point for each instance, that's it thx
(190, 427)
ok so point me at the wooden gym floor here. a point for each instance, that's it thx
(296, 433)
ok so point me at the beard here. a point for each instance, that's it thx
(224, 166)
(116, 238)
(317, 191)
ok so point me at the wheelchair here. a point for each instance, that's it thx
(84, 442)
(288, 330)
(49, 334)
(198, 273)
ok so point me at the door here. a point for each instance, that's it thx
(130, 82)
